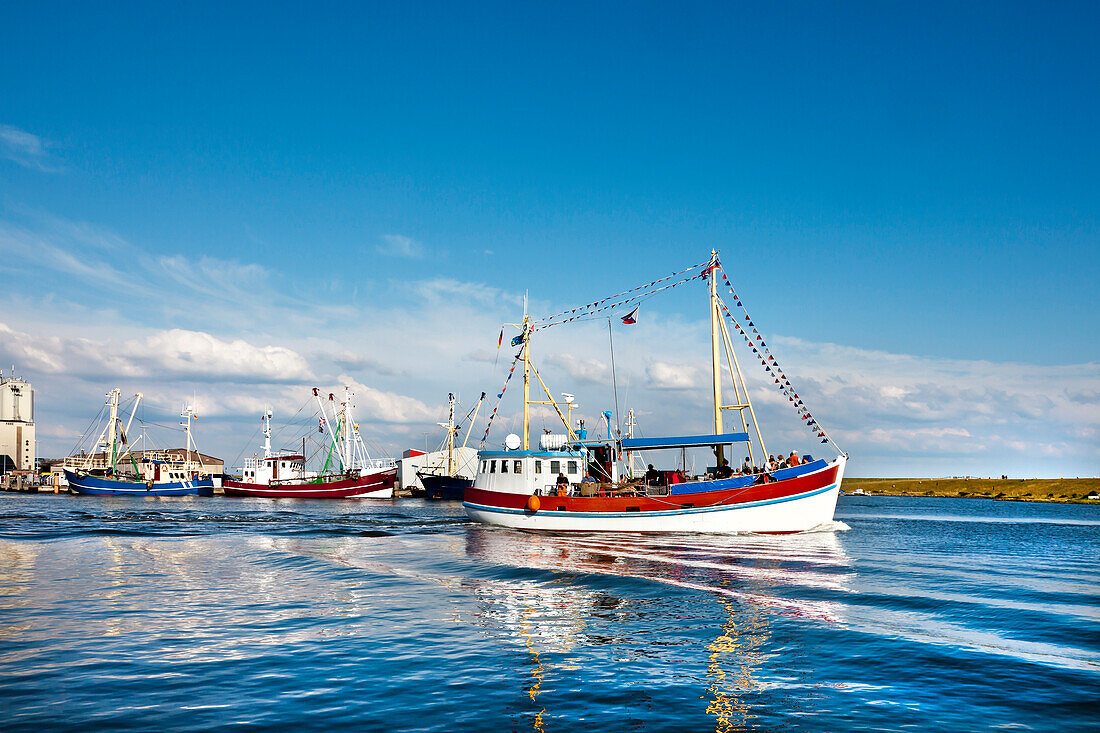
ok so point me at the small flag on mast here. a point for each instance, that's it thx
(631, 317)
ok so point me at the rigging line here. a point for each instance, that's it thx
(625, 292)
(87, 428)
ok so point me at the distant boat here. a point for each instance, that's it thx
(348, 471)
(446, 480)
(122, 474)
(573, 483)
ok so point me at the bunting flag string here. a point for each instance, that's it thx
(770, 363)
(550, 320)
(632, 298)
(500, 396)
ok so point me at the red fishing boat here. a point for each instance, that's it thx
(576, 483)
(348, 471)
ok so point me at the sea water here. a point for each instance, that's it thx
(216, 613)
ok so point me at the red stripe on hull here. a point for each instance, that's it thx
(342, 489)
(642, 504)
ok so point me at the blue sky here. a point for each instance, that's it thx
(912, 189)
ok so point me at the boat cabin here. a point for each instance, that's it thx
(528, 471)
(265, 469)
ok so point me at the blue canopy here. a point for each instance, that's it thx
(684, 441)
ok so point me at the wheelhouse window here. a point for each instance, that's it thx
(504, 466)
(572, 466)
(538, 466)
(518, 467)
(555, 466)
(492, 466)
(484, 466)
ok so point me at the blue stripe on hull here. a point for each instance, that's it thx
(99, 486)
(660, 513)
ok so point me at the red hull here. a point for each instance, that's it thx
(339, 489)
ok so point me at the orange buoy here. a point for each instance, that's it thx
(533, 503)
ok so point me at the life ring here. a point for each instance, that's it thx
(533, 503)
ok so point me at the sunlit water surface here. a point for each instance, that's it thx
(195, 614)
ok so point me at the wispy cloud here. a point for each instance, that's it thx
(26, 149)
(398, 245)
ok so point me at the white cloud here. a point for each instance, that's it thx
(592, 371)
(161, 355)
(663, 375)
(26, 149)
(388, 407)
(398, 245)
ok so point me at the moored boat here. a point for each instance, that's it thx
(117, 472)
(348, 471)
(572, 483)
(447, 480)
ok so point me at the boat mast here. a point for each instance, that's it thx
(716, 363)
(267, 433)
(334, 445)
(188, 415)
(347, 426)
(450, 433)
(112, 426)
(526, 377)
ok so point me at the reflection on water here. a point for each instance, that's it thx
(734, 656)
(215, 614)
(746, 573)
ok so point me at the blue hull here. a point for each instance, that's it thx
(100, 486)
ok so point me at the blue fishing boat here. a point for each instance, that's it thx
(81, 483)
(116, 471)
(445, 481)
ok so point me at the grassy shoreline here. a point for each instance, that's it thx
(1061, 490)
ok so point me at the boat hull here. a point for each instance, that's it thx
(374, 485)
(102, 486)
(789, 505)
(445, 487)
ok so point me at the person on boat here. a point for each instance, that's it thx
(652, 476)
(723, 470)
(792, 459)
(772, 463)
(563, 485)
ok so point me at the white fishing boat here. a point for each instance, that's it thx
(574, 483)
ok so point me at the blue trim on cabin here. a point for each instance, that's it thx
(658, 512)
(684, 441)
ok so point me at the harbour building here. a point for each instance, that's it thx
(17, 444)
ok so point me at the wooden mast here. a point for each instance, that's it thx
(716, 362)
